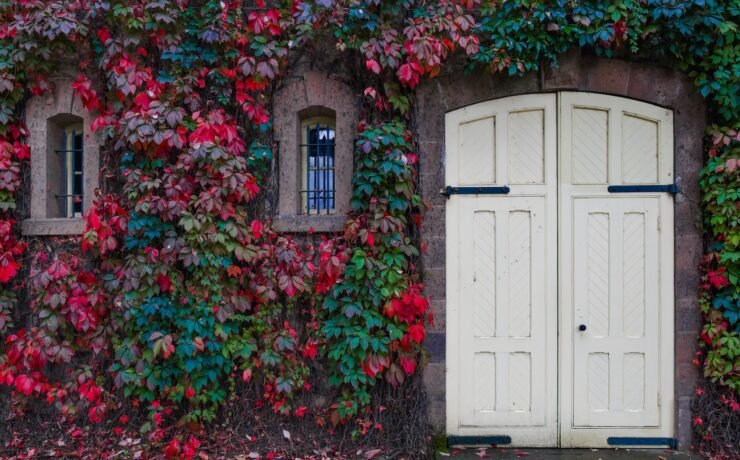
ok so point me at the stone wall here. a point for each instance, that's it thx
(575, 73)
(319, 87)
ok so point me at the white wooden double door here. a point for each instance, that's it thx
(528, 271)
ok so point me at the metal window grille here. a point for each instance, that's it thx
(71, 160)
(318, 196)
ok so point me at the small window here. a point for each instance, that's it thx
(70, 157)
(65, 162)
(317, 159)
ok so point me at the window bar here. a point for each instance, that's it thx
(317, 144)
(308, 170)
(307, 209)
(77, 186)
(330, 175)
(74, 173)
(309, 167)
(66, 198)
(322, 163)
(311, 198)
(65, 175)
(315, 185)
(333, 186)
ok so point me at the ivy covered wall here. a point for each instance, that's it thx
(183, 297)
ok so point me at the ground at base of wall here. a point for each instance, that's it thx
(580, 454)
(242, 431)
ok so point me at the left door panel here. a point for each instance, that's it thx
(501, 272)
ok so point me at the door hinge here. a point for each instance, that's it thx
(478, 440)
(450, 190)
(643, 442)
(668, 188)
(659, 223)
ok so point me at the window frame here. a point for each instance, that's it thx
(312, 93)
(71, 168)
(306, 123)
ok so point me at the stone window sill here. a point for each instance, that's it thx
(53, 227)
(306, 223)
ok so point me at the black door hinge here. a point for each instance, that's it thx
(669, 188)
(449, 190)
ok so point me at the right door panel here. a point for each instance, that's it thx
(615, 270)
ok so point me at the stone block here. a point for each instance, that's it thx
(434, 222)
(566, 74)
(438, 308)
(430, 186)
(610, 76)
(435, 345)
(432, 157)
(435, 253)
(434, 283)
(434, 380)
(686, 346)
(687, 377)
(655, 84)
(685, 429)
(688, 316)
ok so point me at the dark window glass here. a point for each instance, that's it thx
(71, 159)
(320, 169)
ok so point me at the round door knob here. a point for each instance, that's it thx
(582, 328)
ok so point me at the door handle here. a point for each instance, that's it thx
(582, 328)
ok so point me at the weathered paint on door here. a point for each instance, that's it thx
(616, 270)
(556, 253)
(502, 265)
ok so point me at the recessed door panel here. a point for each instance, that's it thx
(615, 274)
(502, 293)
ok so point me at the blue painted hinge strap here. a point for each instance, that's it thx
(670, 442)
(477, 440)
(670, 188)
(449, 190)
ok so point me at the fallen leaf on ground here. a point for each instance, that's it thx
(372, 453)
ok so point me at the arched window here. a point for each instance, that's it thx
(315, 118)
(65, 162)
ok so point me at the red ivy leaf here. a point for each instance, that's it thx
(172, 450)
(373, 66)
(165, 284)
(256, 228)
(310, 350)
(408, 365)
(409, 74)
(417, 332)
(8, 268)
(718, 279)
